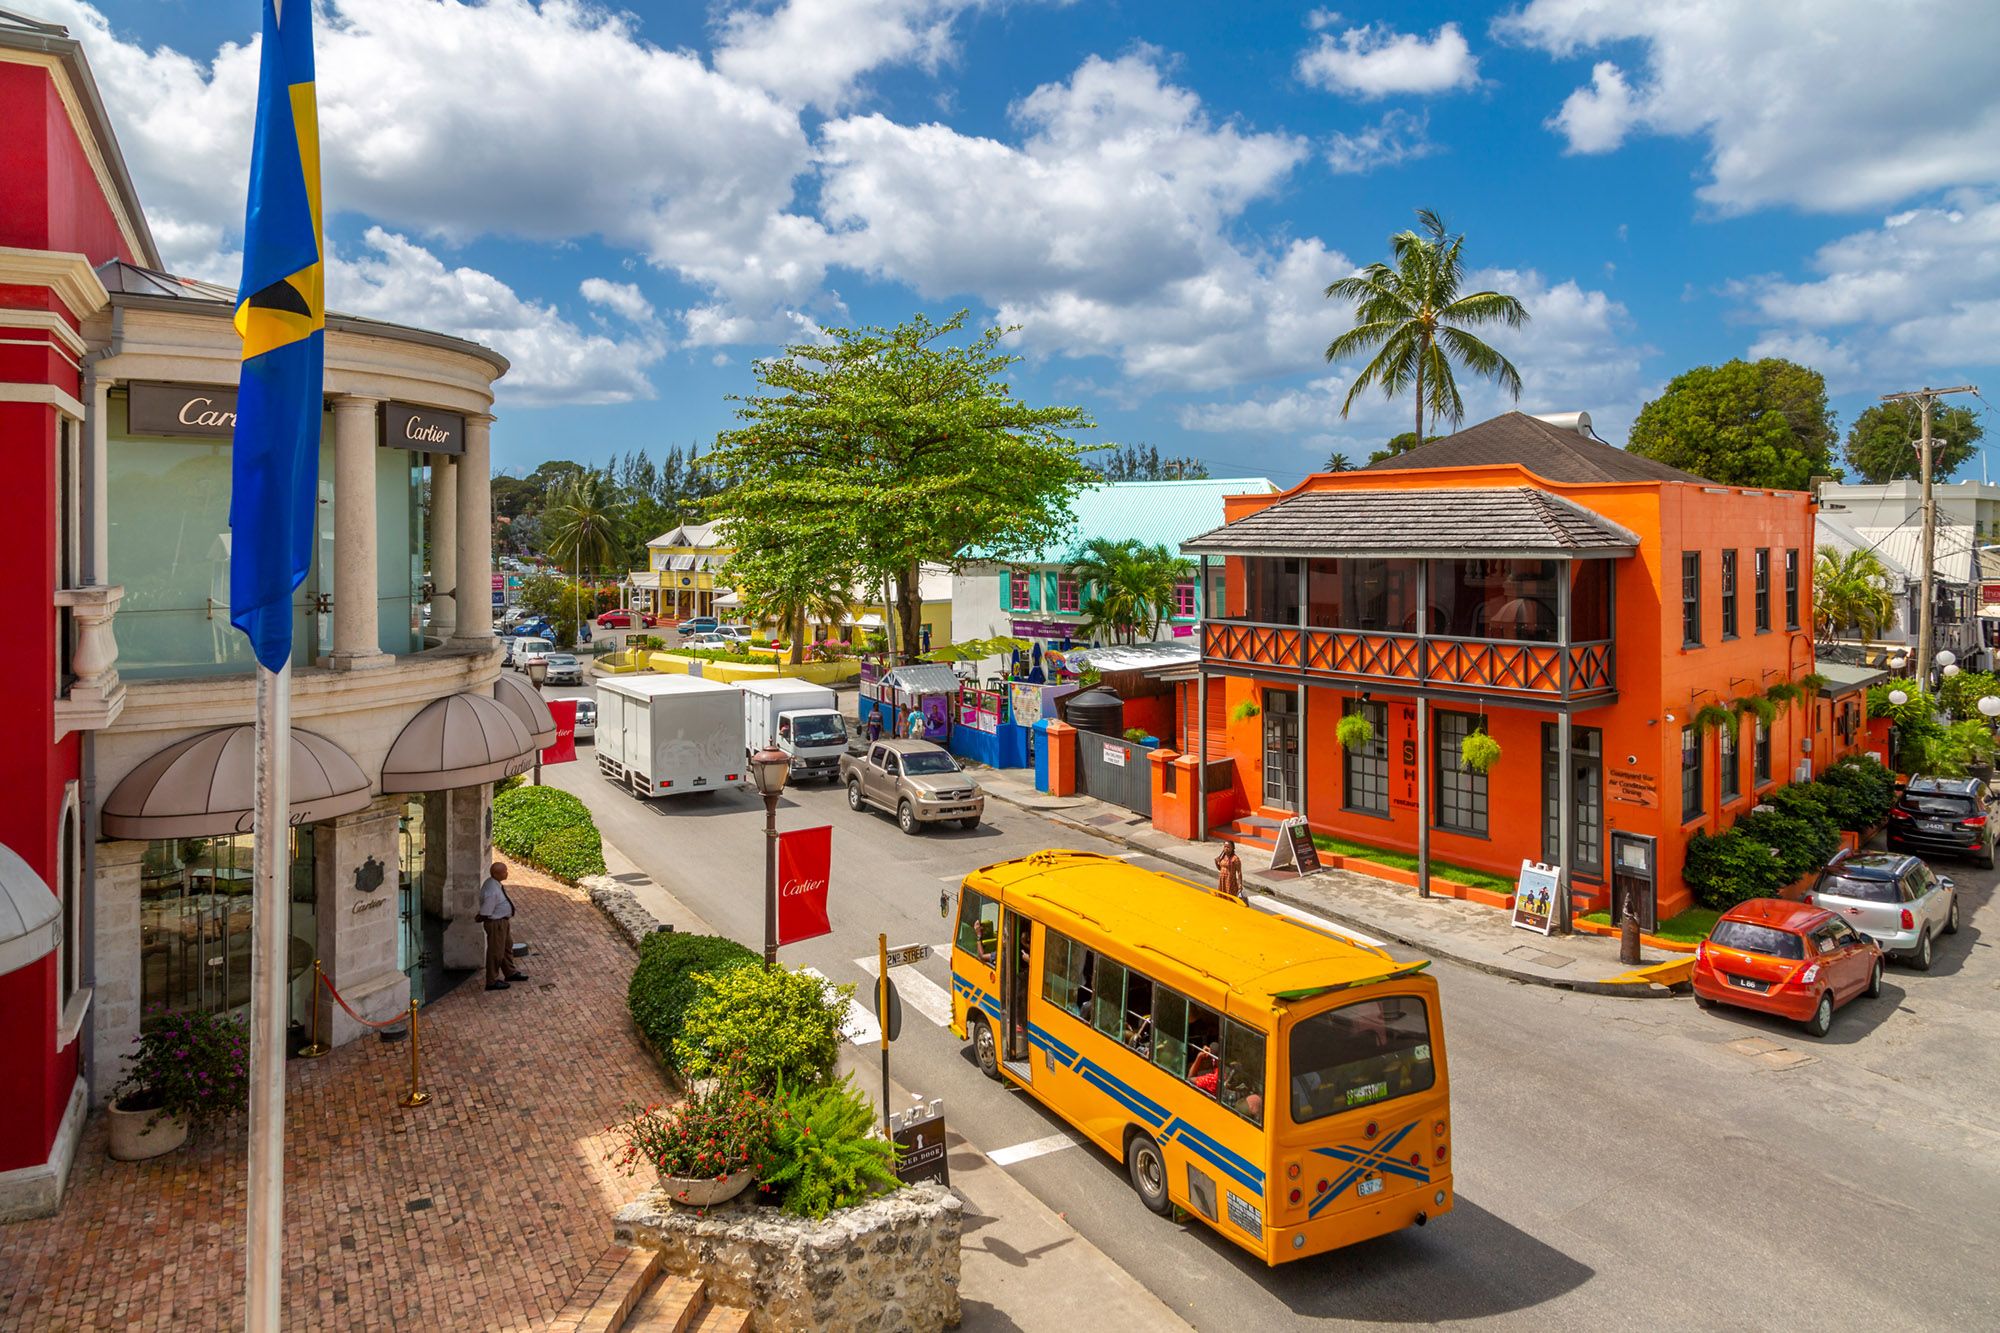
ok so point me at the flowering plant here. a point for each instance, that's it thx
(720, 1129)
(195, 1066)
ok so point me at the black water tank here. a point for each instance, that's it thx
(1099, 710)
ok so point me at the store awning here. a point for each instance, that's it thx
(205, 786)
(461, 740)
(525, 702)
(30, 916)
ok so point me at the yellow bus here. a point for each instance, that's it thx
(1285, 1085)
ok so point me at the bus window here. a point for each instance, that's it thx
(979, 926)
(1243, 1071)
(1170, 1032)
(1066, 972)
(1204, 1044)
(1360, 1054)
(1139, 1013)
(1109, 1016)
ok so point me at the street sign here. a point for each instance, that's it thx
(1535, 897)
(919, 1138)
(889, 1009)
(905, 954)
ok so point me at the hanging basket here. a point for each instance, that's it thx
(1354, 731)
(1244, 711)
(1479, 752)
(1711, 717)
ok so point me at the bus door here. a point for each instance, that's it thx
(1016, 982)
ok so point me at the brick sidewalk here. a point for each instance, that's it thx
(483, 1210)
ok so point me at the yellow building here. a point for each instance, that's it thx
(680, 578)
(933, 587)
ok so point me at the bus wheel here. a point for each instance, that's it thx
(984, 1050)
(1148, 1169)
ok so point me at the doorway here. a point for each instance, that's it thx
(1281, 749)
(1586, 758)
(1016, 976)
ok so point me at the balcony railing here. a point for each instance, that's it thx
(1505, 666)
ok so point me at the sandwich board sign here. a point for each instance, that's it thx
(1535, 897)
(1295, 849)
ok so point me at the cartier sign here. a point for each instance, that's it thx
(422, 428)
(181, 409)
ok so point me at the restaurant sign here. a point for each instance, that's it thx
(204, 410)
(425, 429)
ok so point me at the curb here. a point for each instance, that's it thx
(1624, 990)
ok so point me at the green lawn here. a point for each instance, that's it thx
(1478, 879)
(1690, 927)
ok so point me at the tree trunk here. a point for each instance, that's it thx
(909, 605)
(798, 632)
(888, 625)
(1423, 350)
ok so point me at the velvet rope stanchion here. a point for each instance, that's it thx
(416, 1097)
(314, 1047)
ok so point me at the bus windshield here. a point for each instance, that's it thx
(1360, 1054)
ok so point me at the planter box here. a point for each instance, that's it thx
(133, 1141)
(1440, 885)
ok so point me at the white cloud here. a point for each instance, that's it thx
(813, 52)
(1399, 136)
(1825, 105)
(622, 298)
(1376, 61)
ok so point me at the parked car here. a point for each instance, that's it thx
(506, 638)
(564, 669)
(1797, 960)
(1892, 898)
(527, 649)
(623, 620)
(714, 641)
(586, 720)
(741, 633)
(1947, 815)
(920, 783)
(535, 628)
(699, 625)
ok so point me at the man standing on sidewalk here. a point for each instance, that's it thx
(496, 913)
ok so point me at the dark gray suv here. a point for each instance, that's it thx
(1948, 816)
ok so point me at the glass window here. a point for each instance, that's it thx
(1215, 576)
(1323, 600)
(1017, 589)
(1360, 1054)
(1139, 1013)
(1272, 590)
(1760, 764)
(1204, 1047)
(1170, 1031)
(1242, 1084)
(1729, 594)
(69, 889)
(1691, 597)
(1791, 589)
(1728, 757)
(979, 926)
(1108, 988)
(1066, 594)
(1495, 599)
(195, 922)
(1379, 594)
(928, 763)
(1761, 590)
(1691, 774)
(1066, 974)
(1590, 600)
(1184, 600)
(1461, 792)
(1366, 767)
(1862, 888)
(1748, 937)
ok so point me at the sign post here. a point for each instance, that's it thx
(889, 1009)
(1295, 849)
(1535, 897)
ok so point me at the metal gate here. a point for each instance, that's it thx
(1114, 770)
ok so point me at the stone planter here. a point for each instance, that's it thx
(704, 1191)
(133, 1141)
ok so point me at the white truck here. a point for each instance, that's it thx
(669, 735)
(800, 718)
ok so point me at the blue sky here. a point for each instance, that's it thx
(636, 204)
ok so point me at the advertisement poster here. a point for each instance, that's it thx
(1535, 897)
(563, 750)
(805, 863)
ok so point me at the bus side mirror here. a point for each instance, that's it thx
(944, 904)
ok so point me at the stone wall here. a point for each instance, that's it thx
(890, 1265)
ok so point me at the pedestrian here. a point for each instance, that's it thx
(1229, 872)
(874, 725)
(916, 724)
(496, 913)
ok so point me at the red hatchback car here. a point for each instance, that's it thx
(1790, 959)
(623, 620)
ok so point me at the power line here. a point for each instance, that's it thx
(1926, 399)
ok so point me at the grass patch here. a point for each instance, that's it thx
(1478, 879)
(1690, 927)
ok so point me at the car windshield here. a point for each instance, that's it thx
(1360, 1054)
(586, 711)
(1860, 888)
(1938, 804)
(924, 763)
(1753, 938)
(819, 730)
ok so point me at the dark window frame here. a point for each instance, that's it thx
(1761, 589)
(1458, 795)
(1791, 587)
(1729, 762)
(1760, 768)
(1365, 772)
(1694, 800)
(1690, 599)
(1729, 594)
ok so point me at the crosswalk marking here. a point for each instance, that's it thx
(1022, 1152)
(858, 1025)
(1320, 923)
(919, 992)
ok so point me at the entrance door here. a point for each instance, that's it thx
(1015, 979)
(1586, 759)
(1634, 879)
(1281, 749)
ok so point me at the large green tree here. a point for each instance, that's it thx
(885, 448)
(1742, 423)
(1882, 442)
(1419, 324)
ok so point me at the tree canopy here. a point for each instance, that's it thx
(1851, 592)
(1399, 444)
(1142, 462)
(1882, 442)
(1742, 423)
(1130, 586)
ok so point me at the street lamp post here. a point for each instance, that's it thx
(538, 672)
(769, 768)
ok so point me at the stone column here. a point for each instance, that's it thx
(468, 850)
(115, 1003)
(357, 924)
(97, 467)
(444, 545)
(473, 623)
(356, 642)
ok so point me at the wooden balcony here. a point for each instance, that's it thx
(1371, 657)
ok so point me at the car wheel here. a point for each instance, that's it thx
(1703, 1002)
(854, 801)
(969, 824)
(1951, 917)
(1985, 862)
(906, 818)
(1148, 1168)
(984, 1049)
(1822, 1020)
(1875, 980)
(1920, 957)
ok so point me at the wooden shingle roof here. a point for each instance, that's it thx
(1480, 521)
(1550, 452)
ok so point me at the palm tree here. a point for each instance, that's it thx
(1131, 586)
(581, 527)
(797, 601)
(1415, 314)
(1851, 589)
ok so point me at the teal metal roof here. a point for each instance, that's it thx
(1164, 513)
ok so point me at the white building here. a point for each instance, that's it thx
(1974, 504)
(1955, 588)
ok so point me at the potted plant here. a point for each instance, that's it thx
(707, 1149)
(1244, 711)
(190, 1071)
(1354, 731)
(1479, 752)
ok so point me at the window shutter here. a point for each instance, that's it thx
(1034, 590)
(1218, 722)
(1049, 581)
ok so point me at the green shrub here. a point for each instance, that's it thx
(1872, 786)
(1729, 868)
(823, 1151)
(1803, 838)
(570, 853)
(526, 815)
(506, 785)
(765, 1024)
(663, 985)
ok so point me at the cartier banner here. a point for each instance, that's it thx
(424, 429)
(805, 862)
(181, 409)
(563, 750)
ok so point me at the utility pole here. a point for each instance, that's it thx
(1926, 402)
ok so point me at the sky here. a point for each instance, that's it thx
(635, 204)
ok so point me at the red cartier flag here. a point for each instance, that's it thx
(563, 750)
(805, 862)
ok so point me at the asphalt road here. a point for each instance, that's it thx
(1619, 1163)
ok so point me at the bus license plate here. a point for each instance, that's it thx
(1371, 1186)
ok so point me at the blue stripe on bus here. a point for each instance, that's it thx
(1365, 1158)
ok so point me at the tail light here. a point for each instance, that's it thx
(1293, 1198)
(1909, 922)
(1977, 821)
(1899, 814)
(1807, 900)
(1701, 953)
(1441, 1150)
(1807, 975)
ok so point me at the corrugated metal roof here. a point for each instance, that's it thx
(923, 678)
(1847, 677)
(1953, 552)
(1500, 520)
(1158, 513)
(1137, 656)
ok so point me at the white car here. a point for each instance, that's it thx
(564, 669)
(527, 650)
(741, 634)
(718, 642)
(586, 720)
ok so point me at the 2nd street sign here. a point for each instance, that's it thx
(905, 954)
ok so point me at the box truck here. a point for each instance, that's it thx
(800, 718)
(669, 735)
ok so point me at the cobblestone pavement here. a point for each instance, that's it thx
(482, 1210)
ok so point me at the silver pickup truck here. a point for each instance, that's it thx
(918, 782)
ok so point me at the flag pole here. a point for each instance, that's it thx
(270, 954)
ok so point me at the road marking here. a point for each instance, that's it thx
(1022, 1152)
(919, 992)
(858, 1025)
(1317, 922)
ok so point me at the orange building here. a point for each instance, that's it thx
(1526, 579)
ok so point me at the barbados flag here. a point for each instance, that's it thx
(281, 315)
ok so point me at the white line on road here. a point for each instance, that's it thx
(1022, 1152)
(858, 1025)
(918, 991)
(1317, 922)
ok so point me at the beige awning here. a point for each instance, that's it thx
(30, 916)
(461, 740)
(205, 786)
(525, 702)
